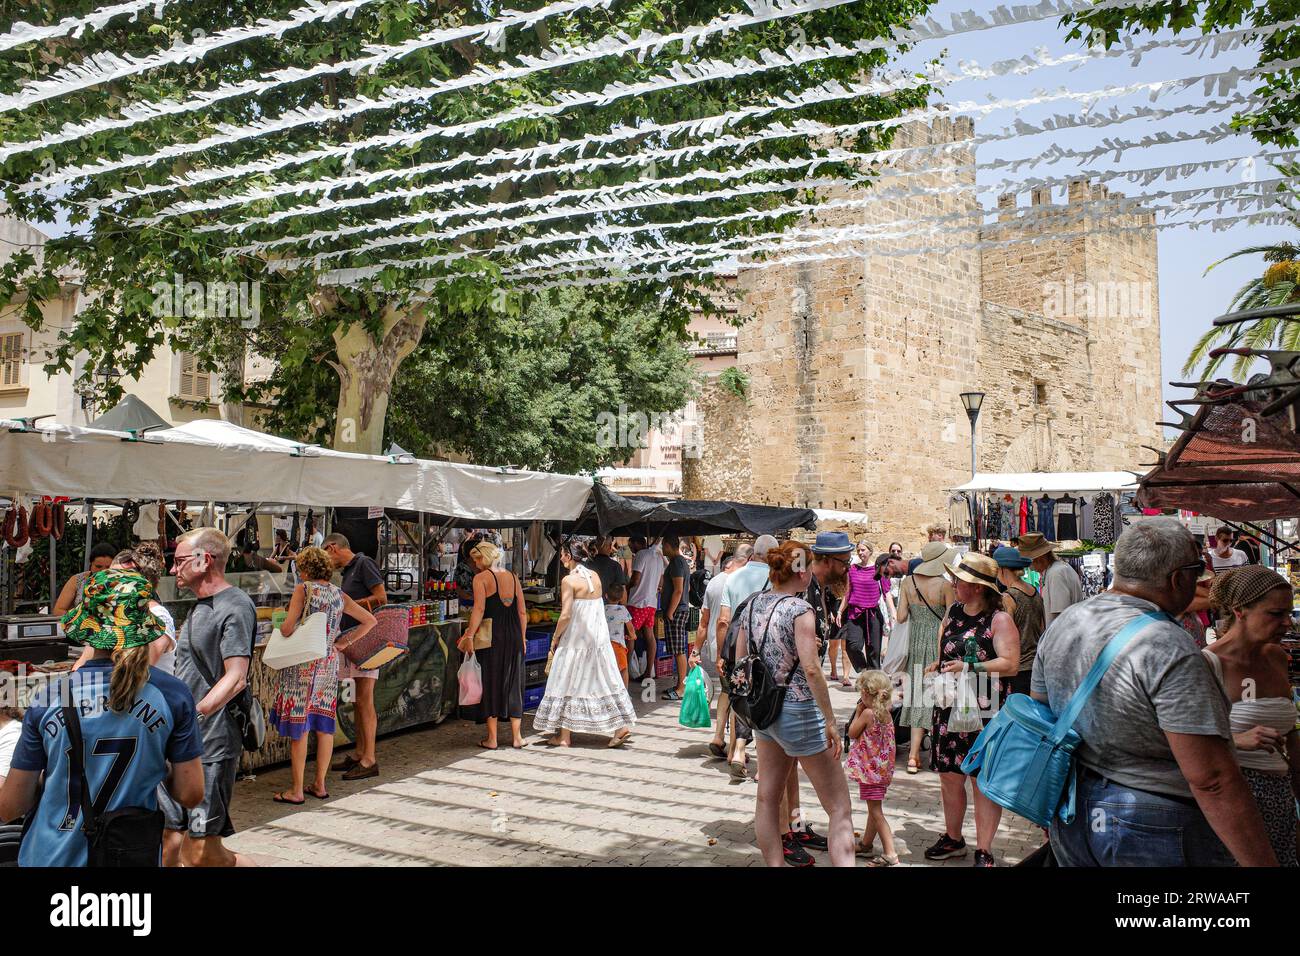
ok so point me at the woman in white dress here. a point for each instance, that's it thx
(584, 691)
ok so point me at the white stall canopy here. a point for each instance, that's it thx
(1031, 482)
(211, 460)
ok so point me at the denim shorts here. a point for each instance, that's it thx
(800, 730)
(1115, 825)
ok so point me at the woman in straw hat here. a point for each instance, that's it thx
(976, 635)
(144, 716)
(922, 599)
(1254, 608)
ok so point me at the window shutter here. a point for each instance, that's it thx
(11, 359)
(195, 384)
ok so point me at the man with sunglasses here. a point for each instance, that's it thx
(213, 651)
(1158, 780)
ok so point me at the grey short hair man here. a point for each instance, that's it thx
(763, 544)
(1157, 751)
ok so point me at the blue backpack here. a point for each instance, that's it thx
(1025, 756)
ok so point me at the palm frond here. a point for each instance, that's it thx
(1284, 250)
(1216, 336)
(1248, 296)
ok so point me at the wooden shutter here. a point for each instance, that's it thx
(195, 383)
(11, 359)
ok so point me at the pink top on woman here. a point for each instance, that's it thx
(864, 588)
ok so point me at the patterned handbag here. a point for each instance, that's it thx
(386, 641)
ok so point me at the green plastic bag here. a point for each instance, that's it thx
(695, 702)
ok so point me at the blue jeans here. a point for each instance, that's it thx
(1115, 825)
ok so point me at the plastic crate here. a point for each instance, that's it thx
(665, 667)
(535, 673)
(533, 696)
(538, 644)
(661, 650)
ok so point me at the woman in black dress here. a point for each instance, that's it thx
(976, 634)
(498, 598)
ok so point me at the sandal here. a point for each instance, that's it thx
(281, 798)
(867, 851)
(484, 744)
(914, 766)
(883, 860)
(521, 745)
(620, 740)
(738, 770)
(671, 695)
(718, 750)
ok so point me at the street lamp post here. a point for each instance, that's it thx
(972, 401)
(101, 379)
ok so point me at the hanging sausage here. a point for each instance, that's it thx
(15, 527)
(41, 521)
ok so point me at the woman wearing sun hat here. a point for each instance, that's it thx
(922, 599)
(976, 634)
(1022, 601)
(143, 719)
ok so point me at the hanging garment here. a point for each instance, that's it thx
(1010, 524)
(1024, 514)
(1047, 517)
(146, 526)
(1085, 519)
(1103, 518)
(1067, 523)
(994, 520)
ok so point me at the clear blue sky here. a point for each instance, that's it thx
(1189, 300)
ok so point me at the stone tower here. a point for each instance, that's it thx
(856, 364)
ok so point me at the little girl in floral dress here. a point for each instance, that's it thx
(871, 761)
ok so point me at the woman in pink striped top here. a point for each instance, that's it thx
(859, 615)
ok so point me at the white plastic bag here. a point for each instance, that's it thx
(965, 715)
(895, 661)
(470, 680)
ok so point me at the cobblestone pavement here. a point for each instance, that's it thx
(662, 800)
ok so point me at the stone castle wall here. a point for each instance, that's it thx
(856, 364)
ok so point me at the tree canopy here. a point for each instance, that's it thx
(165, 171)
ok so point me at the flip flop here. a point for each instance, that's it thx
(616, 742)
(281, 798)
(484, 745)
(718, 750)
(671, 695)
(519, 746)
(318, 796)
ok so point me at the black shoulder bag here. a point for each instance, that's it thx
(244, 708)
(755, 694)
(129, 836)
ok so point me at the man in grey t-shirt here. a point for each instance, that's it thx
(1158, 782)
(213, 650)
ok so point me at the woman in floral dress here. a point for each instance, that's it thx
(306, 696)
(977, 636)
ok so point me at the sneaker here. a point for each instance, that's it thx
(946, 848)
(795, 855)
(983, 859)
(810, 839)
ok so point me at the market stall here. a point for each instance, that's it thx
(231, 469)
(1238, 456)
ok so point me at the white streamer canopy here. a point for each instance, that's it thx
(218, 461)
